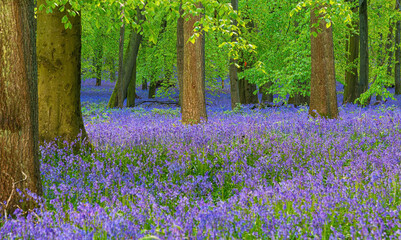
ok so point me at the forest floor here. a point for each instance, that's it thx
(273, 173)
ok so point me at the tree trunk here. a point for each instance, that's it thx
(233, 71)
(119, 96)
(351, 74)
(128, 76)
(193, 99)
(144, 84)
(130, 65)
(246, 89)
(152, 89)
(323, 99)
(59, 74)
(364, 49)
(180, 54)
(266, 96)
(398, 53)
(19, 159)
(299, 99)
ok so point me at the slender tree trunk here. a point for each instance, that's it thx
(120, 83)
(59, 69)
(180, 53)
(19, 160)
(351, 74)
(193, 99)
(152, 89)
(266, 96)
(323, 99)
(233, 71)
(398, 53)
(131, 63)
(364, 49)
(144, 84)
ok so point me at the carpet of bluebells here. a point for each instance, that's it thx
(273, 173)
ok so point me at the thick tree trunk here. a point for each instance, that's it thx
(323, 99)
(397, 68)
(193, 99)
(233, 71)
(19, 160)
(351, 74)
(180, 54)
(59, 69)
(364, 49)
(266, 96)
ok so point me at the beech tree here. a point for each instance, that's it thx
(363, 83)
(193, 94)
(234, 86)
(19, 163)
(59, 75)
(352, 51)
(323, 97)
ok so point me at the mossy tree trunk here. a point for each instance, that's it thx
(323, 99)
(19, 160)
(351, 73)
(193, 98)
(59, 75)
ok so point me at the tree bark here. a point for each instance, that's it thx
(180, 53)
(266, 96)
(119, 96)
(397, 68)
(19, 160)
(351, 75)
(144, 84)
(193, 99)
(233, 71)
(131, 63)
(364, 49)
(126, 85)
(59, 75)
(323, 99)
